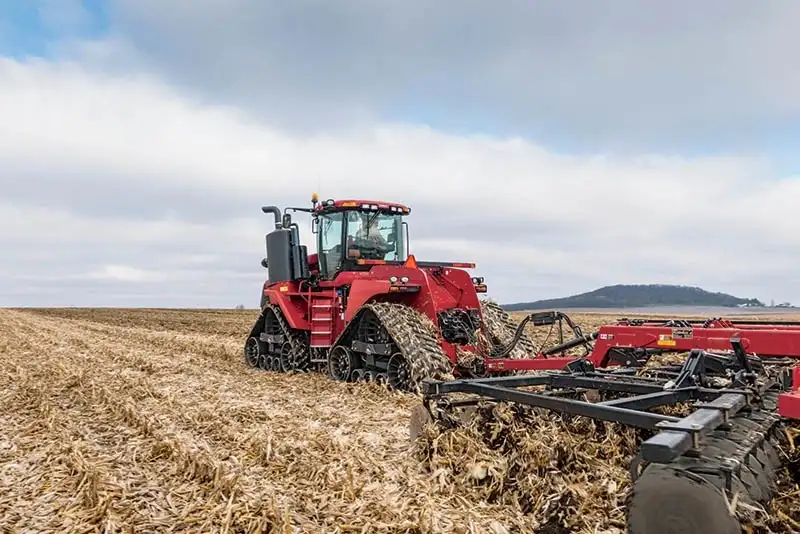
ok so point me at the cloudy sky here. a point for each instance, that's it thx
(561, 145)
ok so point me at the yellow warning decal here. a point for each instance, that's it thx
(665, 340)
(284, 289)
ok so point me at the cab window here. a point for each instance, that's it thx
(374, 235)
(330, 243)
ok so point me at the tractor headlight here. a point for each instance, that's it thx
(393, 279)
(404, 279)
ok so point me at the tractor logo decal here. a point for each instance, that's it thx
(682, 333)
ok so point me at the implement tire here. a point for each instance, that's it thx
(672, 501)
(689, 495)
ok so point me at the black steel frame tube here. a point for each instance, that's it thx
(652, 400)
(678, 437)
(431, 387)
(601, 383)
(605, 384)
(636, 418)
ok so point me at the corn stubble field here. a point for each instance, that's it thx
(149, 421)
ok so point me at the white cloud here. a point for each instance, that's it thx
(128, 179)
(622, 74)
(124, 273)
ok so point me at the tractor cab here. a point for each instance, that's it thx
(352, 232)
(351, 235)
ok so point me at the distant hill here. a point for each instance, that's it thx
(639, 296)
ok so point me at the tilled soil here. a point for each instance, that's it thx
(149, 421)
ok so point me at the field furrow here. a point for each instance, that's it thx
(95, 457)
(149, 421)
(252, 448)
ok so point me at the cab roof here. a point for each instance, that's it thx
(366, 205)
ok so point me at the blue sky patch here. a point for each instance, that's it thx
(33, 27)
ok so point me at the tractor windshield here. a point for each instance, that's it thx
(370, 235)
(374, 235)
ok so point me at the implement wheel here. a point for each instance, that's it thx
(671, 501)
(690, 493)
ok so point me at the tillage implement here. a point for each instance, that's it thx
(732, 391)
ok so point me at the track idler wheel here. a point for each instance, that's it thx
(341, 363)
(286, 357)
(266, 362)
(254, 352)
(398, 372)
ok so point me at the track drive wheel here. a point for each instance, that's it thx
(341, 363)
(254, 352)
(398, 372)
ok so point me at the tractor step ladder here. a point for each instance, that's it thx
(322, 320)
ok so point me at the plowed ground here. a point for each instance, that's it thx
(149, 421)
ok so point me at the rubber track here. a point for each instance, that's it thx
(418, 340)
(300, 349)
(756, 480)
(501, 327)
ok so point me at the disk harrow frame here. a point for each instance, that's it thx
(721, 444)
(664, 386)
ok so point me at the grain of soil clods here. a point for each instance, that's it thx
(149, 421)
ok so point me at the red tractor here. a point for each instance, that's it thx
(363, 308)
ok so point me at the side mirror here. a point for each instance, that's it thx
(405, 235)
(314, 225)
(264, 262)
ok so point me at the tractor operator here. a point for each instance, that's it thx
(370, 241)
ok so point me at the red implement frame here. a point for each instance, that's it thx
(766, 340)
